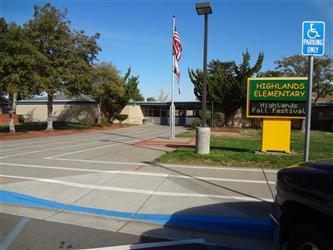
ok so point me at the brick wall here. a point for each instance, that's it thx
(4, 119)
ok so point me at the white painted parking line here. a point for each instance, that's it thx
(166, 165)
(36, 145)
(74, 145)
(141, 174)
(196, 177)
(69, 138)
(56, 168)
(136, 191)
(101, 162)
(89, 149)
(48, 149)
(220, 168)
(105, 146)
(153, 245)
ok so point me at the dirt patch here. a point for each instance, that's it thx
(231, 135)
(170, 143)
(36, 134)
(227, 130)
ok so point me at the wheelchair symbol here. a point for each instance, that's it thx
(312, 32)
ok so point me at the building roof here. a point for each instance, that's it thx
(192, 104)
(84, 99)
(59, 99)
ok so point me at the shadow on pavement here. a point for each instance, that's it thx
(204, 181)
(229, 225)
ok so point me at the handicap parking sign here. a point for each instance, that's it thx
(313, 38)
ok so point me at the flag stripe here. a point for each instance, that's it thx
(177, 53)
(177, 46)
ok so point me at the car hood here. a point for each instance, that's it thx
(310, 183)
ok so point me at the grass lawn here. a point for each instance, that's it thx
(239, 152)
(38, 126)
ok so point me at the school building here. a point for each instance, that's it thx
(85, 110)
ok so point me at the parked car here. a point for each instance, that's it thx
(303, 208)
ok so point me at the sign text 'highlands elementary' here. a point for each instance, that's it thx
(276, 97)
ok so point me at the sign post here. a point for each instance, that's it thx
(313, 44)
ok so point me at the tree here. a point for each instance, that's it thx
(132, 90)
(270, 73)
(17, 65)
(151, 99)
(108, 90)
(163, 97)
(244, 71)
(226, 83)
(297, 65)
(66, 56)
(112, 92)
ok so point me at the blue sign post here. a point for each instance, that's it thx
(313, 38)
(313, 44)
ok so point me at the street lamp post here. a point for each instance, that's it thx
(203, 132)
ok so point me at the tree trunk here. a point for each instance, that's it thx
(49, 112)
(12, 112)
(303, 125)
(243, 117)
(227, 117)
(99, 115)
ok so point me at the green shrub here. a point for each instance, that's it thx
(21, 119)
(215, 121)
(104, 121)
(218, 119)
(195, 124)
(121, 117)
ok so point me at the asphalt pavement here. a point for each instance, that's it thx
(106, 181)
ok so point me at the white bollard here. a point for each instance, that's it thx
(202, 140)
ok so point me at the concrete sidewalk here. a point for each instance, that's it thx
(104, 180)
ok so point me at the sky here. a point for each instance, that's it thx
(138, 33)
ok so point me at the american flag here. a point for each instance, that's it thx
(177, 46)
(177, 52)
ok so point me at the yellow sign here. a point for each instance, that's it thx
(276, 135)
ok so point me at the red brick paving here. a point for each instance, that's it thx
(166, 142)
(36, 134)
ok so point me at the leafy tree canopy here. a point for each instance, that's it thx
(226, 83)
(131, 85)
(151, 99)
(298, 65)
(17, 65)
(108, 89)
(65, 56)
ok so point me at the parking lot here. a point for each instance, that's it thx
(106, 180)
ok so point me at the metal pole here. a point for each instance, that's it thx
(308, 111)
(204, 89)
(212, 125)
(172, 106)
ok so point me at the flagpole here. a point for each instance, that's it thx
(172, 106)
